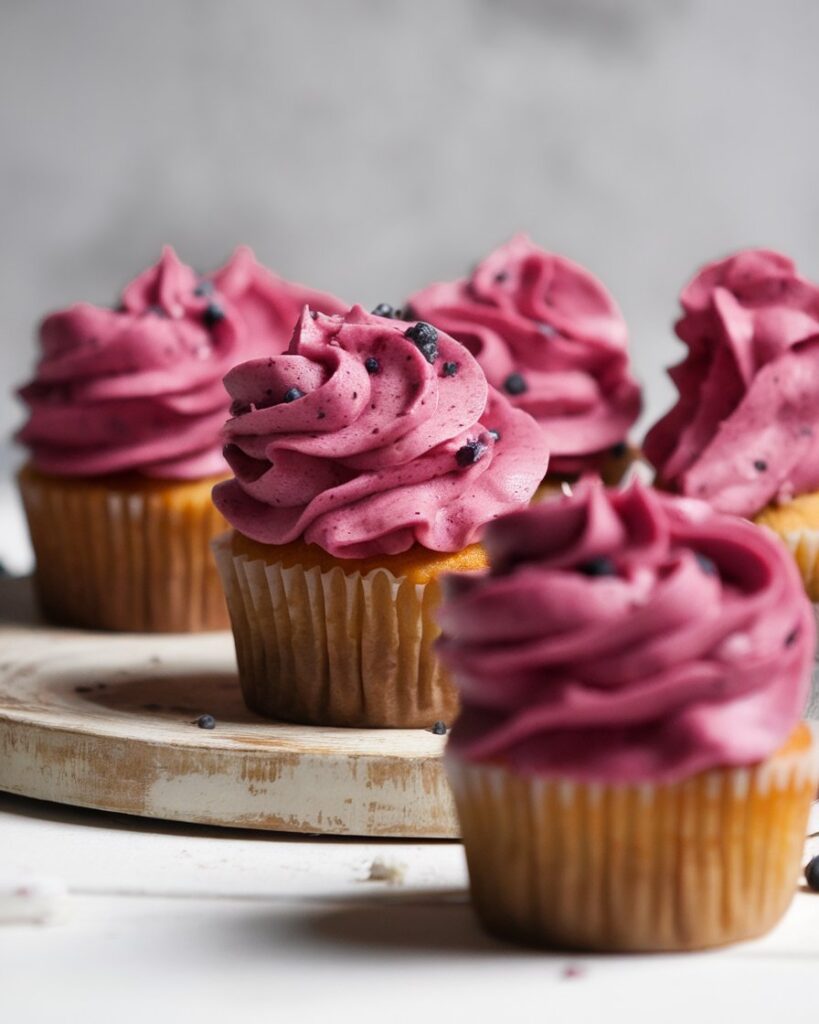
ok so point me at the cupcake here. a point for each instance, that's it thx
(744, 434)
(125, 414)
(548, 334)
(629, 767)
(366, 461)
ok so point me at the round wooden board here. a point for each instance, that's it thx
(108, 721)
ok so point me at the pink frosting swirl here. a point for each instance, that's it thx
(627, 636)
(269, 305)
(548, 333)
(745, 429)
(369, 436)
(140, 388)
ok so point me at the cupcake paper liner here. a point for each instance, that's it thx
(329, 647)
(700, 863)
(125, 556)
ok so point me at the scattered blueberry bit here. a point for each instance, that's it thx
(313, 314)
(469, 454)
(601, 566)
(494, 434)
(156, 311)
(425, 338)
(321, 414)
(501, 276)
(812, 874)
(206, 722)
(213, 314)
(238, 408)
(371, 364)
(706, 564)
(386, 310)
(548, 330)
(760, 465)
(204, 287)
(617, 451)
(439, 728)
(292, 394)
(790, 639)
(514, 384)
(450, 369)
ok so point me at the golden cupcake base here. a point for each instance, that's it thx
(125, 553)
(637, 868)
(321, 641)
(796, 523)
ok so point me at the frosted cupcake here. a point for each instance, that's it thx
(367, 460)
(629, 766)
(548, 334)
(126, 410)
(744, 434)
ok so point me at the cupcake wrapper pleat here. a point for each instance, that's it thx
(700, 863)
(328, 647)
(125, 559)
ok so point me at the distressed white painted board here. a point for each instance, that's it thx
(108, 721)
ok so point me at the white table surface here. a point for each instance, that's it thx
(169, 922)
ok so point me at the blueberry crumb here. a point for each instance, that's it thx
(514, 384)
(292, 394)
(601, 566)
(494, 434)
(450, 369)
(439, 728)
(812, 874)
(469, 453)
(206, 722)
(618, 450)
(790, 639)
(213, 314)
(760, 465)
(321, 414)
(157, 311)
(313, 314)
(204, 287)
(425, 338)
(371, 364)
(386, 310)
(706, 564)
(501, 276)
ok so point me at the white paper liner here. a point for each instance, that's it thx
(333, 647)
(707, 861)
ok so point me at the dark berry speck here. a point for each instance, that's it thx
(156, 311)
(425, 338)
(213, 314)
(514, 384)
(469, 454)
(495, 434)
(439, 728)
(238, 408)
(292, 394)
(204, 287)
(760, 465)
(790, 639)
(501, 276)
(206, 722)
(601, 566)
(706, 564)
(617, 451)
(812, 874)
(372, 365)
(385, 309)
(450, 369)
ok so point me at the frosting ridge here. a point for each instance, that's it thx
(627, 636)
(548, 333)
(370, 435)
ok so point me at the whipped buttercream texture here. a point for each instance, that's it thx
(369, 436)
(745, 429)
(548, 333)
(627, 636)
(140, 387)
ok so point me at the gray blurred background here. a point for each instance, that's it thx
(368, 148)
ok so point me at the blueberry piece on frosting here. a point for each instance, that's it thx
(812, 874)
(213, 314)
(386, 310)
(371, 364)
(204, 287)
(425, 338)
(206, 722)
(494, 434)
(601, 566)
(292, 394)
(760, 465)
(514, 384)
(617, 451)
(450, 369)
(469, 454)
(706, 564)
